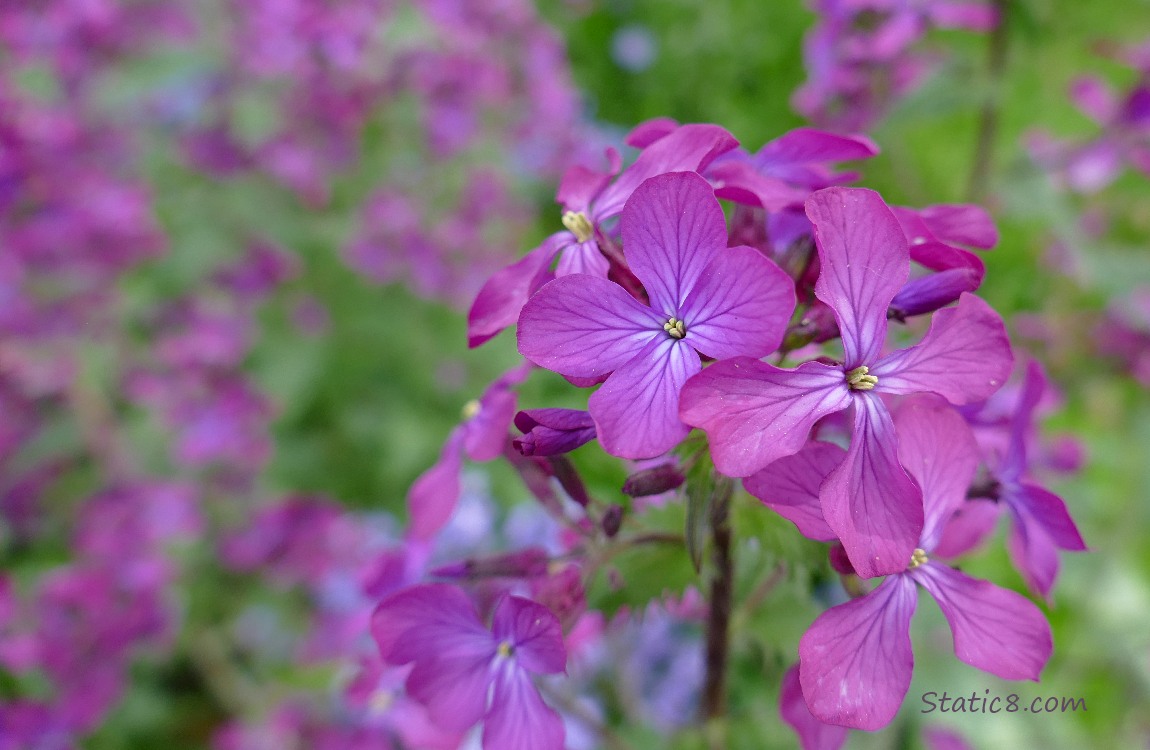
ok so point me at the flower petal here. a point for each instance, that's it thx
(432, 498)
(485, 434)
(855, 661)
(813, 734)
(415, 608)
(996, 630)
(1014, 462)
(534, 633)
(967, 527)
(673, 227)
(961, 223)
(790, 487)
(519, 719)
(807, 145)
(636, 411)
(584, 326)
(872, 504)
(687, 148)
(755, 413)
(504, 294)
(964, 357)
(937, 447)
(583, 257)
(865, 261)
(740, 306)
(738, 181)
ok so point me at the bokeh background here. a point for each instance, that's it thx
(238, 240)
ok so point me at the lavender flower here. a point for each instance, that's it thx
(457, 663)
(755, 413)
(706, 298)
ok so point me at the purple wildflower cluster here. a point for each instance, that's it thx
(137, 430)
(884, 425)
(862, 56)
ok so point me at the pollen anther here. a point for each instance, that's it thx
(470, 409)
(676, 329)
(577, 223)
(505, 649)
(859, 380)
(918, 557)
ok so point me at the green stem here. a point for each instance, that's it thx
(718, 617)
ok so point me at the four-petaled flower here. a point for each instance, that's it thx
(705, 298)
(463, 672)
(755, 413)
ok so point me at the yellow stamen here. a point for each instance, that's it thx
(858, 379)
(918, 557)
(470, 409)
(505, 649)
(676, 329)
(579, 225)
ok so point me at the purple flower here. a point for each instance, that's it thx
(706, 299)
(855, 660)
(755, 413)
(588, 199)
(1041, 523)
(457, 662)
(481, 437)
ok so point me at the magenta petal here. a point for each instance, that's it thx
(649, 131)
(964, 357)
(1049, 512)
(432, 498)
(485, 434)
(755, 413)
(533, 632)
(636, 411)
(1014, 463)
(673, 227)
(453, 689)
(583, 326)
(1033, 553)
(963, 224)
(996, 630)
(583, 257)
(579, 187)
(872, 504)
(790, 487)
(967, 528)
(949, 14)
(929, 293)
(417, 607)
(503, 295)
(740, 182)
(740, 306)
(519, 719)
(687, 148)
(807, 145)
(855, 661)
(937, 447)
(813, 734)
(865, 261)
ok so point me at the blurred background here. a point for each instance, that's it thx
(238, 241)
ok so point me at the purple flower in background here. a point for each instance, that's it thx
(755, 413)
(481, 437)
(589, 199)
(464, 673)
(856, 660)
(1041, 522)
(706, 299)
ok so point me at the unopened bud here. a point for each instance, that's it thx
(653, 481)
(612, 520)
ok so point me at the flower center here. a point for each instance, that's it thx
(470, 409)
(675, 328)
(505, 650)
(579, 225)
(918, 557)
(858, 380)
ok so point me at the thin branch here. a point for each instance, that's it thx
(989, 116)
